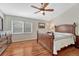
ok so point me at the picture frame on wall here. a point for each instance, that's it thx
(1, 24)
(41, 25)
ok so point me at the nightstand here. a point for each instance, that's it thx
(77, 41)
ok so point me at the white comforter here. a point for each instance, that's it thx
(62, 40)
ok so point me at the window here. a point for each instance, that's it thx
(27, 27)
(17, 27)
(21, 27)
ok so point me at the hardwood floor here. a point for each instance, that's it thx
(69, 51)
(31, 48)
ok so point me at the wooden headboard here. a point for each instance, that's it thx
(66, 28)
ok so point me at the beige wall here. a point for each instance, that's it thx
(24, 36)
(69, 17)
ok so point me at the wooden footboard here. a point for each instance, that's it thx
(46, 41)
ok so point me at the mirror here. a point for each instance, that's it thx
(1, 24)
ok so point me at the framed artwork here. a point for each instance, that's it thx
(1, 24)
(41, 25)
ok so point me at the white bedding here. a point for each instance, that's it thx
(62, 40)
(59, 36)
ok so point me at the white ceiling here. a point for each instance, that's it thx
(24, 10)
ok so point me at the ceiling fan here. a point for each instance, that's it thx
(43, 8)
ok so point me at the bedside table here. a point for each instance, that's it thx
(77, 41)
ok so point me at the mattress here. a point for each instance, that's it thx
(59, 36)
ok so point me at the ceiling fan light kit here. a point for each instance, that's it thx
(41, 11)
(43, 8)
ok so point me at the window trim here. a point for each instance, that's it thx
(22, 22)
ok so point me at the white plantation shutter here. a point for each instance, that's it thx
(21, 27)
(27, 27)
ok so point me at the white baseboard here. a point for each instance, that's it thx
(23, 40)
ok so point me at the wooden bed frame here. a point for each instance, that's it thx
(46, 40)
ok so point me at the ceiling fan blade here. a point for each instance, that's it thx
(37, 12)
(49, 10)
(45, 5)
(35, 7)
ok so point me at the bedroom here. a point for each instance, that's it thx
(19, 24)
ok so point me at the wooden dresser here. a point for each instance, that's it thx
(77, 41)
